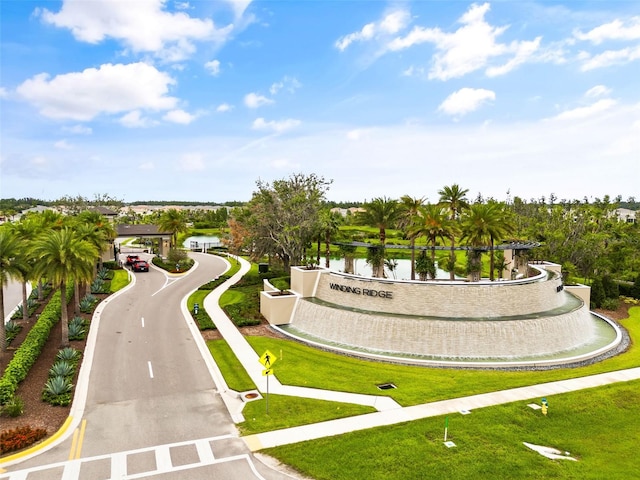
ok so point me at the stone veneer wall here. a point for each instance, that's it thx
(442, 299)
(446, 337)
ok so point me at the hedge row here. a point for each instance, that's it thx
(30, 349)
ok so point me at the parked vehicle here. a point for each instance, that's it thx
(140, 266)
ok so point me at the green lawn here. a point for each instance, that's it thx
(597, 426)
(119, 281)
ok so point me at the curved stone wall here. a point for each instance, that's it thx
(443, 299)
(453, 338)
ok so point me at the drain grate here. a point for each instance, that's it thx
(386, 386)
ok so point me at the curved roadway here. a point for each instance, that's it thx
(152, 409)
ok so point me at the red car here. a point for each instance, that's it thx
(140, 266)
(131, 259)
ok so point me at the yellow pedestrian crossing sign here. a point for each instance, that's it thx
(268, 359)
(267, 371)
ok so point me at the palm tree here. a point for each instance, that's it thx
(172, 221)
(433, 224)
(454, 198)
(329, 226)
(26, 232)
(381, 213)
(483, 225)
(410, 213)
(64, 257)
(97, 230)
(10, 267)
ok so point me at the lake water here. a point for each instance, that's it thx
(402, 271)
(200, 240)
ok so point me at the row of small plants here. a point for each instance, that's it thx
(12, 327)
(57, 389)
(32, 301)
(29, 351)
(202, 318)
(102, 282)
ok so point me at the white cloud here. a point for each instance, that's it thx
(179, 116)
(413, 71)
(107, 90)
(254, 100)
(143, 26)
(609, 58)
(466, 100)
(3, 92)
(224, 107)
(588, 111)
(615, 30)
(213, 67)
(182, 6)
(63, 145)
(469, 48)
(597, 91)
(135, 119)
(357, 134)
(278, 127)
(78, 130)
(290, 84)
(239, 6)
(191, 162)
(390, 24)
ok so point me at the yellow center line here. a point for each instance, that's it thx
(81, 437)
(73, 444)
(76, 443)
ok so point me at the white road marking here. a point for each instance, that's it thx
(142, 322)
(150, 369)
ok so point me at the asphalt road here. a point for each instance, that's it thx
(152, 409)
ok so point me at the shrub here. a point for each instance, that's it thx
(19, 438)
(99, 286)
(203, 320)
(57, 391)
(610, 303)
(62, 368)
(77, 330)
(32, 304)
(14, 407)
(28, 352)
(12, 329)
(597, 293)
(102, 274)
(68, 354)
(87, 303)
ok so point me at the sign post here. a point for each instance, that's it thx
(267, 360)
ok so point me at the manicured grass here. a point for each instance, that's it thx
(285, 412)
(234, 374)
(120, 280)
(597, 426)
(197, 297)
(230, 297)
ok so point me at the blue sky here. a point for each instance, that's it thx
(197, 100)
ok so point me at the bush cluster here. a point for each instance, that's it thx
(30, 349)
(57, 389)
(19, 438)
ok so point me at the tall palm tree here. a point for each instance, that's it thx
(454, 198)
(483, 224)
(10, 267)
(433, 224)
(99, 231)
(173, 221)
(329, 226)
(64, 257)
(410, 213)
(381, 212)
(26, 232)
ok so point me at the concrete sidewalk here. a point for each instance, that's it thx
(389, 412)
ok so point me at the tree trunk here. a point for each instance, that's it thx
(76, 298)
(3, 333)
(64, 317)
(452, 261)
(491, 262)
(25, 308)
(413, 259)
